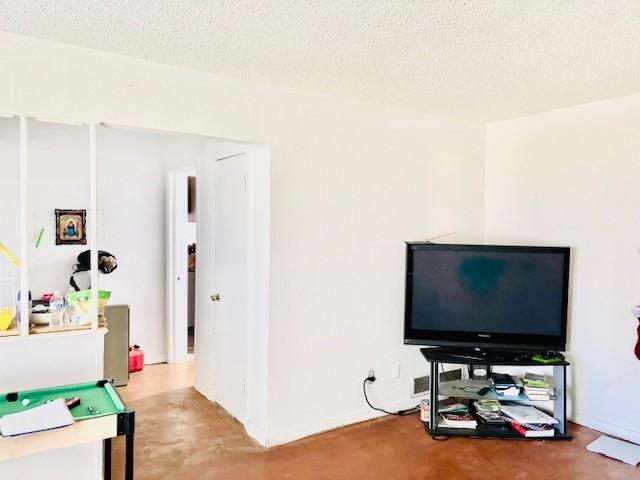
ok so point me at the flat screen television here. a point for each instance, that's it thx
(490, 297)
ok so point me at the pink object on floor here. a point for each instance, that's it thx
(636, 313)
(637, 350)
(136, 359)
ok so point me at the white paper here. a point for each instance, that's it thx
(619, 449)
(50, 415)
(527, 414)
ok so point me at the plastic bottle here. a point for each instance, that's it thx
(67, 307)
(56, 308)
(18, 310)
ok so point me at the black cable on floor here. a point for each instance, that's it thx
(401, 413)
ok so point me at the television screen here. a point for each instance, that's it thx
(486, 296)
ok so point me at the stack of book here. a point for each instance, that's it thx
(456, 415)
(488, 413)
(454, 408)
(528, 420)
(531, 430)
(536, 387)
(487, 405)
(459, 408)
(457, 420)
(505, 385)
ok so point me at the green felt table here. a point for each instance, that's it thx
(100, 395)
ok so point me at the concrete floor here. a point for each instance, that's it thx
(180, 435)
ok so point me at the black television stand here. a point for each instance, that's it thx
(437, 356)
(481, 355)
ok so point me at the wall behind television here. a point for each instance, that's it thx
(350, 182)
(570, 177)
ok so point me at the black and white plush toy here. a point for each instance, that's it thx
(81, 276)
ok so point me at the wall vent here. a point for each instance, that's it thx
(420, 386)
(451, 375)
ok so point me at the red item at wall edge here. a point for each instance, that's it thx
(136, 359)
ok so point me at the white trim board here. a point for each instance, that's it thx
(607, 428)
(156, 358)
(328, 424)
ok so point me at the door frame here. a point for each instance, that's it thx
(259, 264)
(177, 318)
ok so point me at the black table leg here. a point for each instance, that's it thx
(433, 407)
(107, 458)
(128, 475)
(126, 427)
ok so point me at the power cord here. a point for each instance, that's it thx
(444, 374)
(400, 413)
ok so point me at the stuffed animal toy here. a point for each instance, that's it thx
(80, 278)
(636, 313)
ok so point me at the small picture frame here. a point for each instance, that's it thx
(71, 227)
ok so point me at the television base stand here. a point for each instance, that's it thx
(437, 356)
(486, 356)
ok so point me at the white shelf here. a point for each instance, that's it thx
(50, 335)
(454, 389)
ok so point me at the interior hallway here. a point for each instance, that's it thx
(181, 435)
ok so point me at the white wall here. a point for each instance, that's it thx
(350, 182)
(9, 194)
(570, 177)
(131, 189)
(42, 361)
(59, 178)
(342, 208)
(132, 180)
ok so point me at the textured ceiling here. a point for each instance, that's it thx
(484, 60)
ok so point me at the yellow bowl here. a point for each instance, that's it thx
(6, 318)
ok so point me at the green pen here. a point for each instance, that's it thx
(40, 235)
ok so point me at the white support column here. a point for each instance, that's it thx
(93, 223)
(25, 311)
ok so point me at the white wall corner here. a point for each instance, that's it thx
(316, 427)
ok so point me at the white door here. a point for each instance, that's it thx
(222, 283)
(178, 271)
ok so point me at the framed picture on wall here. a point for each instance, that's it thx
(71, 227)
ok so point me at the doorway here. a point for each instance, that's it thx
(192, 237)
(231, 276)
(182, 243)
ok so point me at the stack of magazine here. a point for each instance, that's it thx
(505, 385)
(443, 407)
(488, 413)
(528, 420)
(456, 416)
(453, 415)
(457, 420)
(537, 387)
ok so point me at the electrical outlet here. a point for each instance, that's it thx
(395, 372)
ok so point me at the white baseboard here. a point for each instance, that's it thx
(314, 428)
(256, 433)
(154, 358)
(364, 414)
(607, 428)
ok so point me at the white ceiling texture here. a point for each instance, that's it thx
(475, 59)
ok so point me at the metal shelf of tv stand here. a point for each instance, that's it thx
(435, 357)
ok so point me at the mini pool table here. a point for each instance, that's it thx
(101, 415)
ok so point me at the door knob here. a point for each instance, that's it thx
(215, 297)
